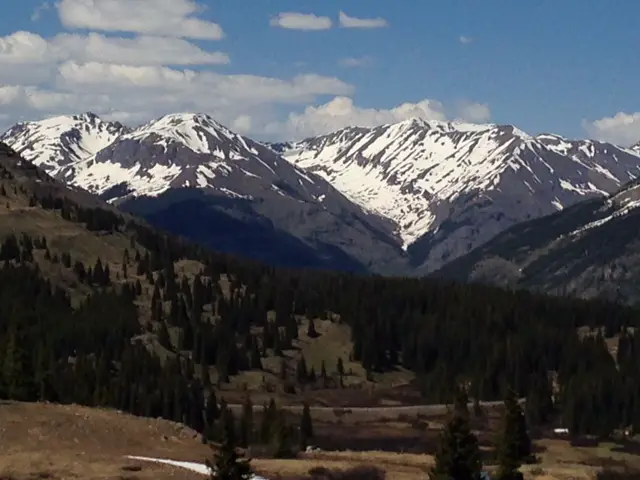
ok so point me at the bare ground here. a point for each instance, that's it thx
(39, 441)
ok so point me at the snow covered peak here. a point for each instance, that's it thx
(63, 140)
(420, 173)
(196, 131)
(636, 147)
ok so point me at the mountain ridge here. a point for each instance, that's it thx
(587, 250)
(427, 175)
(401, 198)
(252, 196)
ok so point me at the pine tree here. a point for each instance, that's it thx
(306, 426)
(283, 438)
(340, 367)
(458, 456)
(227, 464)
(514, 444)
(311, 329)
(246, 423)
(539, 404)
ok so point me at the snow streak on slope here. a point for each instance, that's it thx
(191, 466)
(184, 150)
(413, 170)
(60, 141)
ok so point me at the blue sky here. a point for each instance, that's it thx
(569, 67)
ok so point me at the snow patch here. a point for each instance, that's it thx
(191, 466)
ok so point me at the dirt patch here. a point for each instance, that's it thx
(64, 442)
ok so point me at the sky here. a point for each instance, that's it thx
(289, 69)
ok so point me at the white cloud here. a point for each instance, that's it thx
(623, 128)
(199, 86)
(152, 73)
(342, 112)
(143, 50)
(40, 9)
(353, 22)
(473, 112)
(356, 61)
(301, 21)
(465, 40)
(30, 48)
(172, 18)
(24, 47)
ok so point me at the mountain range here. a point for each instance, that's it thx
(404, 198)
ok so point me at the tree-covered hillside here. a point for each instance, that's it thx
(100, 309)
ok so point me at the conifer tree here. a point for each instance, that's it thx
(246, 423)
(340, 367)
(306, 426)
(458, 456)
(227, 464)
(514, 444)
(311, 329)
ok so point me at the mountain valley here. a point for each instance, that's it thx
(98, 308)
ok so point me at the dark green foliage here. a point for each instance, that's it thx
(246, 423)
(227, 464)
(458, 454)
(539, 405)
(514, 444)
(306, 426)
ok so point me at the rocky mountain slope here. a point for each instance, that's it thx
(59, 142)
(401, 198)
(590, 249)
(451, 187)
(190, 175)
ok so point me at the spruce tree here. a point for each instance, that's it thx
(514, 444)
(458, 456)
(306, 426)
(227, 464)
(246, 423)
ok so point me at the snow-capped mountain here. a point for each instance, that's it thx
(237, 194)
(400, 198)
(61, 141)
(450, 187)
(636, 147)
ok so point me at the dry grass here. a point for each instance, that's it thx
(64, 442)
(301, 466)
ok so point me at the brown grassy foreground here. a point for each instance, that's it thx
(71, 442)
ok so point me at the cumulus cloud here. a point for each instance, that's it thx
(353, 22)
(242, 89)
(26, 48)
(173, 18)
(142, 50)
(154, 72)
(301, 21)
(356, 61)
(342, 112)
(622, 128)
(473, 112)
